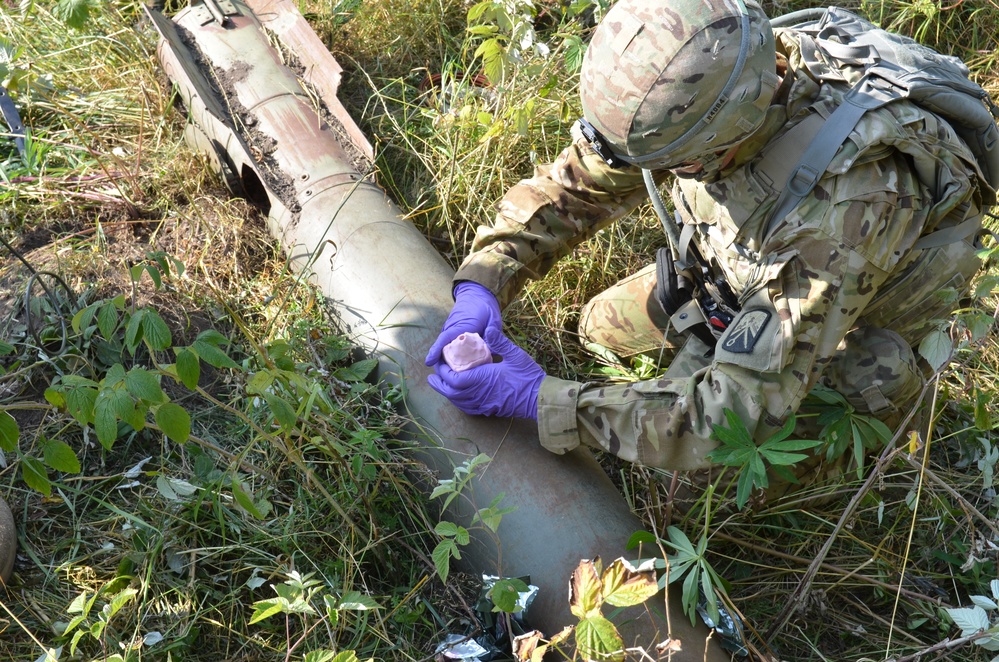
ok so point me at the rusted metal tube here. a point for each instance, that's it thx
(391, 291)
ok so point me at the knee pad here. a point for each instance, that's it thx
(875, 370)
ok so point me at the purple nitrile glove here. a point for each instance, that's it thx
(508, 387)
(476, 310)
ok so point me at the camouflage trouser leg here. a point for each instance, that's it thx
(627, 320)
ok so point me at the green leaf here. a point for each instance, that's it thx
(441, 556)
(245, 500)
(574, 51)
(117, 602)
(264, 609)
(598, 639)
(969, 619)
(321, 655)
(355, 601)
(285, 414)
(35, 475)
(174, 421)
(156, 332)
(493, 56)
(144, 385)
(624, 585)
(60, 456)
(55, 397)
(446, 529)
(357, 372)
(212, 355)
(188, 368)
(744, 490)
(9, 432)
(936, 348)
(81, 403)
(505, 594)
(106, 417)
(133, 331)
(81, 320)
(107, 320)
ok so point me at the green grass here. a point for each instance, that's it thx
(109, 180)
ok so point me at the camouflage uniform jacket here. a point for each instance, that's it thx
(844, 253)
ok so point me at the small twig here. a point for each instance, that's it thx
(945, 645)
(954, 493)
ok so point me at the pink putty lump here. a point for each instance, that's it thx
(467, 351)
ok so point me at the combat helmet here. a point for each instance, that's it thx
(665, 83)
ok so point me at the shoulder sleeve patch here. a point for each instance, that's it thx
(744, 332)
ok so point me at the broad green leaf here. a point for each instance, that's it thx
(35, 475)
(744, 489)
(245, 500)
(144, 385)
(346, 656)
(983, 414)
(505, 593)
(357, 372)
(574, 51)
(9, 432)
(155, 331)
(446, 529)
(641, 537)
(598, 639)
(60, 456)
(188, 368)
(106, 417)
(936, 348)
(81, 320)
(988, 604)
(264, 609)
(319, 656)
(107, 320)
(283, 411)
(80, 403)
(117, 602)
(441, 556)
(55, 397)
(585, 589)
(174, 421)
(969, 619)
(782, 458)
(212, 355)
(355, 601)
(133, 330)
(624, 585)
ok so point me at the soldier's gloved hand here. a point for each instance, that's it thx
(475, 310)
(507, 387)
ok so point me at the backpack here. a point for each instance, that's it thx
(882, 67)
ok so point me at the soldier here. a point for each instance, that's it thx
(836, 292)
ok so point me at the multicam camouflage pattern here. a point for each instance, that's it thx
(819, 292)
(652, 77)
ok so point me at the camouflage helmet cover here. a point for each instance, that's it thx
(667, 82)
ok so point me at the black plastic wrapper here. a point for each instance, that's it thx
(490, 639)
(728, 629)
